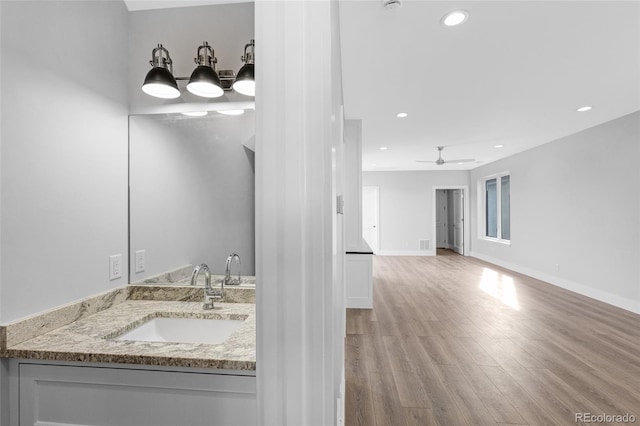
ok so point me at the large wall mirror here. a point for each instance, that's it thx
(191, 194)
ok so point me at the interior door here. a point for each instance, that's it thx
(370, 219)
(442, 227)
(458, 221)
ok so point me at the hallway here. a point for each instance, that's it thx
(453, 341)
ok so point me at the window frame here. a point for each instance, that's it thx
(482, 208)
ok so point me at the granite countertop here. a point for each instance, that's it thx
(89, 338)
(182, 276)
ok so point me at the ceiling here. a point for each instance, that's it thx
(513, 74)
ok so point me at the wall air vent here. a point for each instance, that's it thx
(424, 244)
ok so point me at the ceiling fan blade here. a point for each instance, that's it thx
(466, 160)
(424, 161)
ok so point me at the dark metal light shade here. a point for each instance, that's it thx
(204, 82)
(160, 83)
(245, 81)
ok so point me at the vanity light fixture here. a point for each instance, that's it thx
(231, 111)
(204, 80)
(160, 82)
(245, 80)
(455, 17)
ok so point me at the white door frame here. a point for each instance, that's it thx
(377, 191)
(467, 221)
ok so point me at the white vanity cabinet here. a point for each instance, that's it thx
(359, 280)
(48, 393)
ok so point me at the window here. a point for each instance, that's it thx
(497, 213)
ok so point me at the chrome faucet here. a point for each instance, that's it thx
(227, 270)
(210, 294)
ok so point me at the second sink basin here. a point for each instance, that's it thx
(182, 330)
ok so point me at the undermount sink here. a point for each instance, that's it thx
(182, 330)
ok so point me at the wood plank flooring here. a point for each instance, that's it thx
(455, 341)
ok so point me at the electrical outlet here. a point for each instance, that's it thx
(115, 267)
(140, 260)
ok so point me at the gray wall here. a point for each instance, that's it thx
(64, 151)
(575, 209)
(406, 206)
(191, 191)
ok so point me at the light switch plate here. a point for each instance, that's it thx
(115, 267)
(140, 260)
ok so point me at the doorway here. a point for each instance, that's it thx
(370, 216)
(451, 230)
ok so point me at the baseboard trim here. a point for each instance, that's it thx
(406, 253)
(359, 303)
(602, 296)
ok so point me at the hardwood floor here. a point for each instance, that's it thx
(455, 341)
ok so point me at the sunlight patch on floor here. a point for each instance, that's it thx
(500, 287)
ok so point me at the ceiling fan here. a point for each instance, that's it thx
(440, 161)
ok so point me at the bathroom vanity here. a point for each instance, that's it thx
(75, 365)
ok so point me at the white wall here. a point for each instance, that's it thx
(353, 186)
(295, 134)
(406, 206)
(2, 420)
(64, 151)
(336, 310)
(575, 209)
(191, 191)
(4, 363)
(226, 27)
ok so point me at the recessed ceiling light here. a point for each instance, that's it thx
(584, 108)
(401, 114)
(499, 146)
(231, 111)
(454, 18)
(195, 113)
(383, 148)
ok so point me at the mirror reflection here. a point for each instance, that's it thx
(191, 196)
